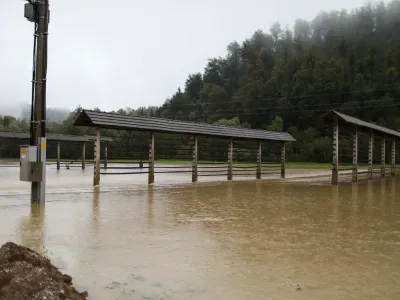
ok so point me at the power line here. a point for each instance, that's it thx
(349, 93)
(301, 110)
(310, 105)
(302, 107)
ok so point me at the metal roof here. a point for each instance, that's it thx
(115, 121)
(351, 120)
(51, 137)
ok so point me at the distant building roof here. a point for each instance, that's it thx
(115, 121)
(9, 135)
(329, 117)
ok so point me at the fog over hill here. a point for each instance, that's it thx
(23, 110)
(11, 110)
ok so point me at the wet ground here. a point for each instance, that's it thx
(212, 240)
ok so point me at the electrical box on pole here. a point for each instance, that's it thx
(29, 12)
(30, 168)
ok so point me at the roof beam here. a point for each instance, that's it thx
(90, 118)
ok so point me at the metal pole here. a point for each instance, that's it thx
(393, 171)
(383, 157)
(259, 153)
(194, 163)
(58, 155)
(335, 149)
(355, 155)
(151, 159)
(283, 160)
(371, 155)
(38, 125)
(96, 174)
(83, 156)
(230, 160)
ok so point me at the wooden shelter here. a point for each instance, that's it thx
(106, 120)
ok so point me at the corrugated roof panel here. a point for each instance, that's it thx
(109, 120)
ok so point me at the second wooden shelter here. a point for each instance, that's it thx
(357, 126)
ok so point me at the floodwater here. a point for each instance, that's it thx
(212, 240)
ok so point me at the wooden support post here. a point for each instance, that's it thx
(335, 154)
(259, 153)
(383, 157)
(97, 152)
(105, 156)
(230, 160)
(283, 160)
(151, 159)
(355, 155)
(83, 156)
(194, 163)
(141, 164)
(393, 169)
(371, 155)
(58, 155)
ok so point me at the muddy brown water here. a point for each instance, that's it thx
(212, 240)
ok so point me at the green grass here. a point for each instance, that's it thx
(308, 165)
(157, 161)
(294, 165)
(289, 165)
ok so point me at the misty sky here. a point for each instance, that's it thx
(113, 54)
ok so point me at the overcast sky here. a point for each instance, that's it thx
(120, 53)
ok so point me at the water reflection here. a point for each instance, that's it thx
(383, 183)
(370, 197)
(354, 197)
(393, 190)
(96, 216)
(335, 204)
(150, 207)
(32, 228)
(382, 195)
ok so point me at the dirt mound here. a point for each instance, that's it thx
(25, 274)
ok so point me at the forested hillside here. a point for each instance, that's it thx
(342, 60)
(284, 79)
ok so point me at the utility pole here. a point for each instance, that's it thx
(37, 11)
